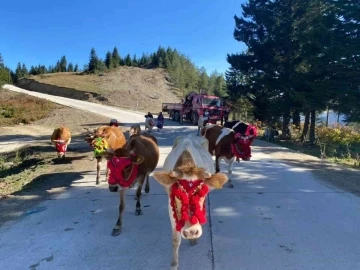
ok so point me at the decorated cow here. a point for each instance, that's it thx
(61, 137)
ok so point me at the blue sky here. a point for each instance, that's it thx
(40, 32)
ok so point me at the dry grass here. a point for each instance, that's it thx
(126, 87)
(16, 108)
(88, 83)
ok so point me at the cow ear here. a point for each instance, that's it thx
(138, 159)
(216, 181)
(164, 178)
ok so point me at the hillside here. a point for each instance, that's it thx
(126, 87)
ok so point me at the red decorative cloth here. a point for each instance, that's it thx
(60, 147)
(189, 194)
(117, 166)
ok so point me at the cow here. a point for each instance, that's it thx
(270, 133)
(135, 129)
(203, 120)
(129, 165)
(61, 137)
(188, 175)
(149, 124)
(224, 143)
(102, 138)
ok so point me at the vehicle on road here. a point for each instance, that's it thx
(194, 105)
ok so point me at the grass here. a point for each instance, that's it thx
(18, 168)
(314, 150)
(16, 108)
(78, 81)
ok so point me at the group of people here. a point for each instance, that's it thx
(159, 120)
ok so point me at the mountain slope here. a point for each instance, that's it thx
(126, 87)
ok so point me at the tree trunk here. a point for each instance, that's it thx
(338, 117)
(296, 119)
(327, 116)
(312, 127)
(286, 120)
(306, 127)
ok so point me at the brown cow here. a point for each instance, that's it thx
(61, 137)
(114, 138)
(188, 175)
(229, 143)
(220, 140)
(130, 164)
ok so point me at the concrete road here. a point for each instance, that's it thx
(276, 217)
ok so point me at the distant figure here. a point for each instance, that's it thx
(160, 121)
(149, 115)
(114, 122)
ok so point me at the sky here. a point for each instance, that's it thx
(40, 32)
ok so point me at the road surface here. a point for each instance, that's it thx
(276, 217)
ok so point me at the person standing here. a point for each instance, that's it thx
(160, 121)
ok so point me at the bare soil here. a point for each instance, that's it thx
(126, 87)
(32, 173)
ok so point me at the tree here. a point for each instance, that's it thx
(116, 58)
(128, 61)
(95, 64)
(76, 68)
(70, 67)
(63, 64)
(135, 61)
(109, 61)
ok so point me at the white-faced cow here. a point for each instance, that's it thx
(103, 138)
(129, 165)
(188, 175)
(229, 143)
(149, 124)
(61, 137)
(203, 120)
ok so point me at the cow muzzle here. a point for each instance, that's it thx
(191, 231)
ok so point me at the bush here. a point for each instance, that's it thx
(339, 141)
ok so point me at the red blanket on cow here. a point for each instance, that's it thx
(242, 148)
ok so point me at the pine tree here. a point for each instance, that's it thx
(76, 68)
(109, 61)
(128, 61)
(93, 61)
(63, 64)
(134, 61)
(70, 67)
(24, 70)
(116, 58)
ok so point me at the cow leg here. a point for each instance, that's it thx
(147, 185)
(107, 172)
(176, 241)
(138, 211)
(98, 167)
(217, 167)
(230, 166)
(118, 226)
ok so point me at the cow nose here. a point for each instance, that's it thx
(191, 233)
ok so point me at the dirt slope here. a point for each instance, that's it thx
(126, 87)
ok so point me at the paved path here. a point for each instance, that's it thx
(276, 217)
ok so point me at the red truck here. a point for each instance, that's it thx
(194, 105)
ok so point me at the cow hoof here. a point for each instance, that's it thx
(138, 212)
(217, 170)
(193, 242)
(147, 190)
(230, 185)
(97, 182)
(116, 232)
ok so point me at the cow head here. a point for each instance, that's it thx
(123, 165)
(61, 147)
(187, 188)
